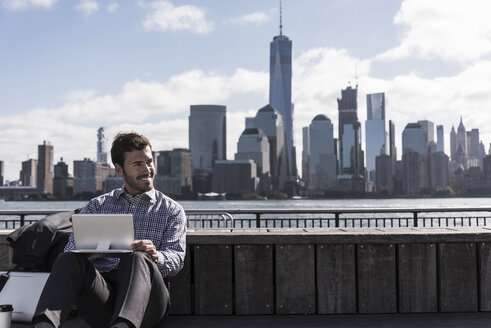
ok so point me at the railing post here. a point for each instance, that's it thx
(415, 219)
(336, 220)
(258, 220)
(22, 219)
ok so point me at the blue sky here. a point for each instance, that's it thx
(68, 67)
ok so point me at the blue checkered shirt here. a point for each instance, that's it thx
(155, 217)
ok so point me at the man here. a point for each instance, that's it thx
(130, 292)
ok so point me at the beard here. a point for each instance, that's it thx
(140, 184)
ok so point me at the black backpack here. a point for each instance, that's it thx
(36, 246)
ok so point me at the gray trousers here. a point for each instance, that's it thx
(135, 291)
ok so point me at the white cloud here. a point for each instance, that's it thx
(257, 18)
(78, 95)
(112, 7)
(87, 7)
(320, 74)
(452, 30)
(27, 4)
(164, 16)
(157, 109)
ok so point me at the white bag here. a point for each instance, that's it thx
(23, 290)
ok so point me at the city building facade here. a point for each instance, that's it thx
(28, 173)
(207, 142)
(351, 157)
(237, 177)
(414, 138)
(88, 176)
(383, 174)
(173, 171)
(63, 181)
(2, 172)
(45, 169)
(253, 144)
(102, 144)
(440, 140)
(375, 132)
(305, 154)
(280, 93)
(322, 159)
(270, 122)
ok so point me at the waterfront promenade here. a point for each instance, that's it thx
(330, 277)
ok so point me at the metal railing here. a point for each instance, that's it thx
(305, 218)
(209, 219)
(195, 218)
(361, 218)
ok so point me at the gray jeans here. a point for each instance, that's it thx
(135, 291)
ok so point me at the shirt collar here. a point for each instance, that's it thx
(149, 194)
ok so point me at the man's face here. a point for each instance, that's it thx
(138, 171)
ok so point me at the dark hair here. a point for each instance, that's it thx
(127, 142)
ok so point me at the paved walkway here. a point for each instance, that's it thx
(431, 320)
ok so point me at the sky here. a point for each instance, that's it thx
(69, 67)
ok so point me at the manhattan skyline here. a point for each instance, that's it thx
(71, 67)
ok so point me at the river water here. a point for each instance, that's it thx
(296, 204)
(299, 219)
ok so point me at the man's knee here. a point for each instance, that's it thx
(140, 256)
(68, 259)
(139, 261)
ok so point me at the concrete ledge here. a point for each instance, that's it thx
(331, 271)
(338, 235)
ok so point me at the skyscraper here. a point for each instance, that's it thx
(440, 146)
(305, 153)
(238, 177)
(2, 170)
(270, 121)
(28, 174)
(322, 162)
(414, 139)
(101, 145)
(45, 171)
(253, 144)
(383, 174)
(473, 143)
(438, 170)
(280, 91)
(350, 153)
(88, 176)
(461, 138)
(375, 133)
(429, 129)
(207, 142)
(392, 144)
(173, 171)
(62, 182)
(453, 141)
(415, 150)
(207, 135)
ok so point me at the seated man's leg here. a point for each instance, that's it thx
(141, 296)
(74, 280)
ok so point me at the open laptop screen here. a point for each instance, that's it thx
(102, 232)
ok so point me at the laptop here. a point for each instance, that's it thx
(103, 234)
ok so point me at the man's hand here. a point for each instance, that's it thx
(146, 246)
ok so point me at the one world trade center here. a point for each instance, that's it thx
(280, 92)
